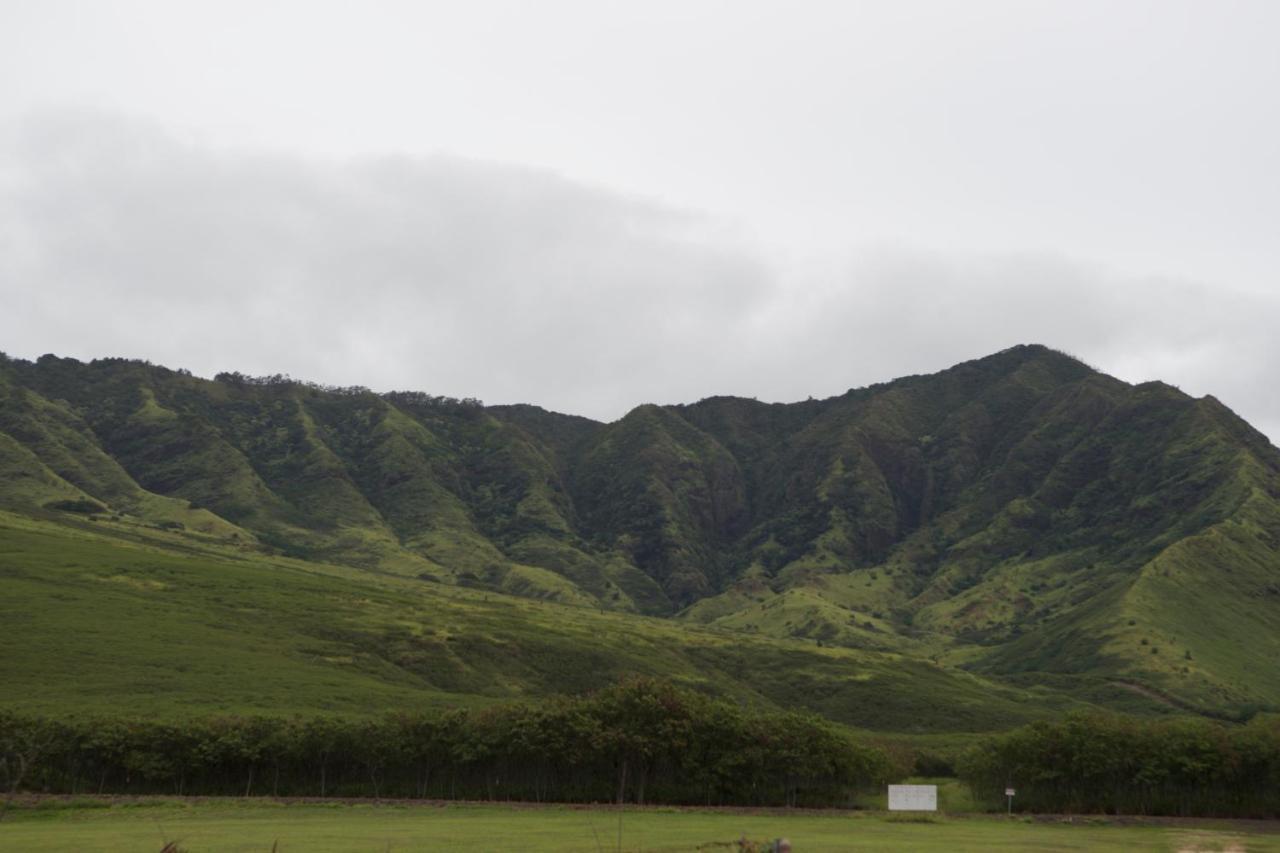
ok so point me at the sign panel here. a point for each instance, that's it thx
(913, 798)
(1009, 792)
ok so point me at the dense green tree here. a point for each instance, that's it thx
(640, 741)
(1106, 763)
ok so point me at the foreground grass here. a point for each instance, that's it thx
(256, 826)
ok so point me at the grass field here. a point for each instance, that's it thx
(244, 826)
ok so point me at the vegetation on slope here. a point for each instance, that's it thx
(113, 618)
(1020, 515)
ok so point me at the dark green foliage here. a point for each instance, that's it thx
(669, 496)
(640, 741)
(1122, 765)
(80, 505)
(932, 763)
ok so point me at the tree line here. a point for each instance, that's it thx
(1098, 763)
(642, 741)
(284, 380)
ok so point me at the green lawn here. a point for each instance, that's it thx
(256, 826)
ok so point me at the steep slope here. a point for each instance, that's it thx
(50, 456)
(665, 494)
(1009, 513)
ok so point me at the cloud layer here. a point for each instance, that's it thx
(477, 279)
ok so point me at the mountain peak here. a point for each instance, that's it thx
(1022, 353)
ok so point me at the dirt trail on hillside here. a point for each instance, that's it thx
(1156, 696)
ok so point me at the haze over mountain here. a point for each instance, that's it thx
(1021, 515)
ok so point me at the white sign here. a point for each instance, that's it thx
(913, 798)
(1009, 792)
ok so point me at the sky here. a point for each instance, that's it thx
(593, 205)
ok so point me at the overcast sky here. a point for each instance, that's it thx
(590, 205)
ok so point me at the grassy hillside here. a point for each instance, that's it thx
(107, 617)
(1020, 516)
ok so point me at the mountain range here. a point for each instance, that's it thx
(1021, 517)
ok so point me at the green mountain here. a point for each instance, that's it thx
(1021, 516)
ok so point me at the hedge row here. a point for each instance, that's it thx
(643, 741)
(1090, 763)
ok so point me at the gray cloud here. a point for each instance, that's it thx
(470, 278)
(907, 311)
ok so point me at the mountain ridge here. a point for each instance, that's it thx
(1012, 514)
